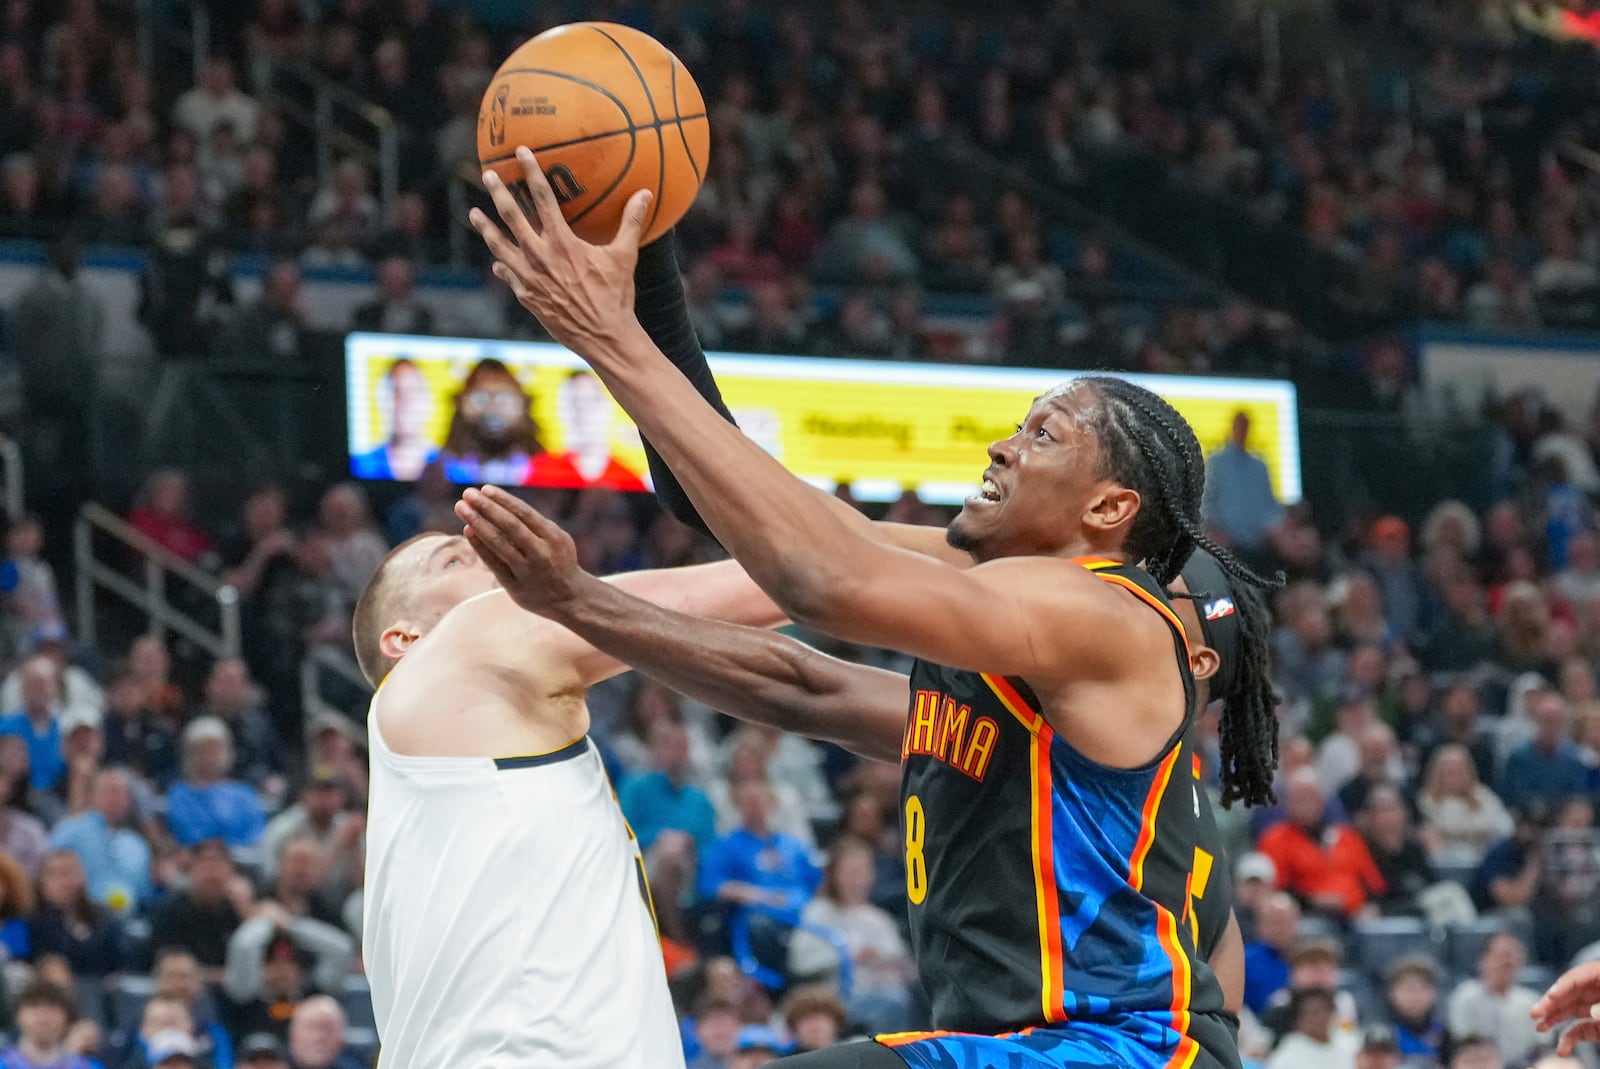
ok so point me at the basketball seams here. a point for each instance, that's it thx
(687, 151)
(596, 137)
(661, 139)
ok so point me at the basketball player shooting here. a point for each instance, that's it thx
(507, 919)
(1050, 853)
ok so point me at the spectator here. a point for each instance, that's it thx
(815, 1017)
(262, 537)
(1413, 1008)
(16, 904)
(357, 546)
(276, 959)
(22, 834)
(672, 818)
(1339, 756)
(1379, 1049)
(1266, 957)
(1326, 864)
(749, 757)
(1461, 724)
(300, 881)
(207, 805)
(261, 1050)
(1312, 1044)
(38, 722)
(28, 598)
(115, 857)
(1466, 816)
(1476, 1052)
(882, 970)
(162, 514)
(1547, 767)
(78, 688)
(44, 1013)
(151, 665)
(274, 325)
(178, 977)
(1313, 966)
(320, 818)
(203, 917)
(135, 736)
(1240, 504)
(232, 698)
(217, 102)
(758, 1045)
(1503, 300)
(1388, 558)
(1466, 637)
(866, 243)
(716, 1032)
(755, 865)
(1399, 855)
(316, 1036)
(1255, 880)
(397, 310)
(67, 922)
(1380, 765)
(1493, 1006)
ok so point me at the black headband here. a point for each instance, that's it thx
(1214, 603)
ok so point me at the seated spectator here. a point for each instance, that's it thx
(207, 805)
(38, 722)
(105, 839)
(16, 904)
(748, 758)
(755, 865)
(1401, 859)
(1547, 767)
(1379, 1049)
(357, 545)
(135, 736)
(261, 1050)
(716, 1033)
(671, 817)
(29, 603)
(1465, 815)
(1327, 865)
(1380, 765)
(78, 688)
(151, 665)
(68, 922)
(397, 310)
(321, 818)
(1492, 1005)
(1414, 1010)
(272, 927)
(1313, 965)
(21, 796)
(215, 101)
(815, 1017)
(44, 1014)
(1255, 880)
(164, 1022)
(1266, 957)
(178, 977)
(1339, 756)
(203, 917)
(284, 982)
(1476, 1052)
(162, 514)
(83, 749)
(231, 697)
(882, 970)
(316, 1036)
(300, 883)
(1312, 1042)
(331, 744)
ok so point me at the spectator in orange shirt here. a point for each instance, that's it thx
(1327, 865)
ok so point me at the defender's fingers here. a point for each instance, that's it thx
(532, 546)
(503, 572)
(500, 246)
(528, 516)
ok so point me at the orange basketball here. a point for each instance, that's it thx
(608, 111)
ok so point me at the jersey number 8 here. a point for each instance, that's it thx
(916, 864)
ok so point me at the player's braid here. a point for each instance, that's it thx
(1150, 448)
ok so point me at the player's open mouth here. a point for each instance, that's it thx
(988, 491)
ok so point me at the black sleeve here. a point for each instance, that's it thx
(664, 313)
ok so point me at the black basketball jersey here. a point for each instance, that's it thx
(1046, 887)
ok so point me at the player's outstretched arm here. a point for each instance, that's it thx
(750, 674)
(1575, 994)
(818, 565)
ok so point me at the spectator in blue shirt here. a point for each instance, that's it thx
(44, 1012)
(38, 721)
(206, 805)
(1266, 957)
(1547, 767)
(754, 865)
(672, 818)
(1239, 502)
(114, 855)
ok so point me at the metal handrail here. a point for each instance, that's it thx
(11, 467)
(331, 101)
(158, 565)
(312, 665)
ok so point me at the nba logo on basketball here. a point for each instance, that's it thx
(497, 115)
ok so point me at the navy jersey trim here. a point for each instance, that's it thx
(566, 753)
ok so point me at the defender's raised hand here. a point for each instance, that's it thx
(1575, 994)
(534, 560)
(582, 293)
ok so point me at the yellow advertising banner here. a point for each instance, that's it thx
(531, 414)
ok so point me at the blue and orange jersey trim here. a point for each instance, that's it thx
(1047, 895)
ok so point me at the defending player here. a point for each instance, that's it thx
(1049, 843)
(507, 921)
(770, 679)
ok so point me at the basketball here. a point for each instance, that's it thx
(608, 111)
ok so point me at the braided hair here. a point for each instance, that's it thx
(1148, 447)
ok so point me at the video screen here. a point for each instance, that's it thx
(531, 414)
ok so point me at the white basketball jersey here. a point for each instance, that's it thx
(506, 924)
